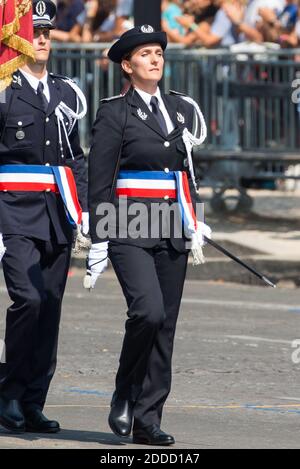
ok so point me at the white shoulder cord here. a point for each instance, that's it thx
(63, 110)
(190, 140)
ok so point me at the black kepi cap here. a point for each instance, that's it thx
(136, 37)
(43, 12)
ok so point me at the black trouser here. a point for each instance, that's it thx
(152, 281)
(35, 273)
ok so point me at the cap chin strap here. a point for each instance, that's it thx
(190, 139)
(62, 110)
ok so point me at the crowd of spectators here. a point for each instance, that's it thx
(193, 23)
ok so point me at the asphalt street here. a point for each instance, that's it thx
(236, 372)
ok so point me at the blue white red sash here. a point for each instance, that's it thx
(152, 184)
(184, 199)
(160, 184)
(38, 178)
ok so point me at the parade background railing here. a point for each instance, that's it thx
(248, 99)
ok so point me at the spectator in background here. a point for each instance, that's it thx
(248, 21)
(198, 14)
(66, 18)
(220, 33)
(102, 21)
(124, 13)
(170, 11)
(277, 25)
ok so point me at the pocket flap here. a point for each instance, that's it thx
(20, 121)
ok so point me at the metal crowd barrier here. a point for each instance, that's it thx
(253, 123)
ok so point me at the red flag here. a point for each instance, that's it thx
(16, 36)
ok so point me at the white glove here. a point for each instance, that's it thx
(2, 247)
(85, 226)
(203, 230)
(97, 263)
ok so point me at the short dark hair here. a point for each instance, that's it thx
(125, 74)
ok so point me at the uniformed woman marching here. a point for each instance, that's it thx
(141, 163)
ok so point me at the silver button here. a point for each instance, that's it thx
(47, 119)
(47, 164)
(20, 123)
(185, 162)
(167, 170)
(47, 142)
(48, 190)
(167, 144)
(166, 197)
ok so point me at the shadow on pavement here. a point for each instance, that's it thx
(70, 435)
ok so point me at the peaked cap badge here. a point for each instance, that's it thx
(146, 28)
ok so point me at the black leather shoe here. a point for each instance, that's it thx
(152, 435)
(11, 415)
(121, 416)
(36, 422)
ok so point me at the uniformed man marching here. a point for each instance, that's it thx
(142, 153)
(41, 163)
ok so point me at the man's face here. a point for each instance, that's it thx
(41, 44)
(146, 63)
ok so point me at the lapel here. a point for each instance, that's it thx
(29, 96)
(55, 94)
(27, 93)
(176, 113)
(141, 111)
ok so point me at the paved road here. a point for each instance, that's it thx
(235, 384)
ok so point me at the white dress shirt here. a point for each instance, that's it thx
(146, 97)
(34, 82)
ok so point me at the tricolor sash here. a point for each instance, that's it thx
(160, 184)
(148, 184)
(38, 178)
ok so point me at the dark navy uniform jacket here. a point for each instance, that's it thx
(144, 148)
(36, 214)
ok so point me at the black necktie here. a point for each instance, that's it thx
(42, 97)
(158, 115)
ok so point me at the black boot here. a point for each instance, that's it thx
(121, 416)
(36, 422)
(11, 415)
(152, 435)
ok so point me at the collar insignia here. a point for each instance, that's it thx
(180, 118)
(17, 79)
(142, 115)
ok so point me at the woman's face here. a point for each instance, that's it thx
(145, 64)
